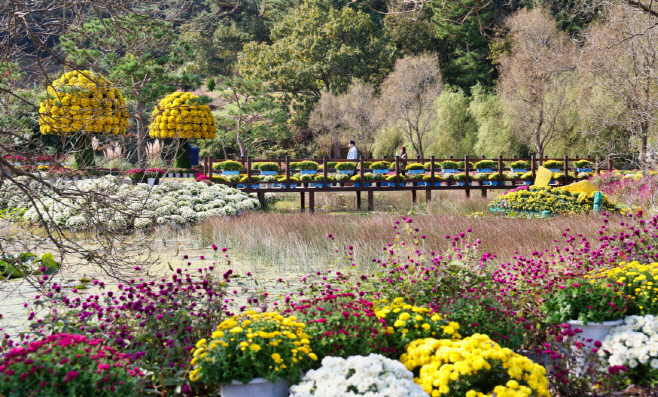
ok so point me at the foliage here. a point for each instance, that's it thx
(228, 165)
(553, 164)
(583, 164)
(392, 178)
(346, 166)
(254, 179)
(253, 345)
(635, 282)
(481, 176)
(415, 166)
(182, 115)
(473, 365)
(18, 265)
(308, 166)
(520, 165)
(67, 365)
(585, 300)
(83, 101)
(380, 165)
(486, 164)
(269, 167)
(373, 375)
(449, 165)
(211, 85)
(471, 165)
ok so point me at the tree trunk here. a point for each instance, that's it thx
(183, 155)
(84, 153)
(141, 135)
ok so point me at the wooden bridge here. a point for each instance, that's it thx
(469, 184)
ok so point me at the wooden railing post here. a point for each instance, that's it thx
(610, 163)
(566, 169)
(500, 170)
(397, 171)
(278, 160)
(287, 172)
(533, 167)
(249, 172)
(467, 179)
(361, 170)
(597, 165)
(432, 160)
(324, 170)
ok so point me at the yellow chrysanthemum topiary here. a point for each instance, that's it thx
(83, 101)
(474, 367)
(182, 115)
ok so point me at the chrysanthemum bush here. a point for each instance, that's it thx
(253, 345)
(536, 199)
(473, 366)
(634, 346)
(138, 206)
(155, 322)
(635, 281)
(373, 376)
(68, 365)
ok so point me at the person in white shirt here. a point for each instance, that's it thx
(353, 154)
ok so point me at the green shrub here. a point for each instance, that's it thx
(230, 166)
(269, 167)
(450, 165)
(583, 164)
(460, 177)
(307, 177)
(380, 165)
(218, 179)
(307, 166)
(486, 164)
(437, 178)
(294, 165)
(255, 166)
(391, 178)
(553, 164)
(415, 166)
(481, 176)
(510, 176)
(493, 176)
(584, 175)
(320, 178)
(379, 177)
(527, 176)
(520, 164)
(346, 166)
(211, 85)
(416, 177)
(254, 179)
(342, 177)
(428, 165)
(367, 164)
(366, 177)
(471, 166)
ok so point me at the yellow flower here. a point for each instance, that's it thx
(255, 347)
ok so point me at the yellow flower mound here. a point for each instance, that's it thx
(181, 115)
(637, 281)
(252, 345)
(83, 101)
(452, 368)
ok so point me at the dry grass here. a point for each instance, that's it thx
(294, 242)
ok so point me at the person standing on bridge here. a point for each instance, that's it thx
(403, 152)
(353, 154)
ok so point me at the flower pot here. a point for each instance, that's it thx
(255, 185)
(268, 172)
(379, 171)
(184, 175)
(554, 169)
(303, 172)
(493, 183)
(94, 177)
(258, 387)
(230, 172)
(151, 181)
(292, 186)
(519, 170)
(584, 169)
(178, 175)
(484, 169)
(416, 171)
(170, 175)
(358, 184)
(593, 331)
(449, 170)
(350, 172)
(527, 183)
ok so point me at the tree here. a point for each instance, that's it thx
(327, 121)
(537, 79)
(256, 116)
(620, 63)
(318, 47)
(455, 131)
(408, 97)
(494, 131)
(141, 56)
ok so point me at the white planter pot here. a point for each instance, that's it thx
(170, 175)
(151, 181)
(258, 387)
(593, 331)
(94, 177)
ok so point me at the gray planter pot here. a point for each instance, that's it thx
(258, 387)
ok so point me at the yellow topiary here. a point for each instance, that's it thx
(181, 115)
(83, 101)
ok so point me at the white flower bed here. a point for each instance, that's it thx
(372, 376)
(634, 343)
(171, 202)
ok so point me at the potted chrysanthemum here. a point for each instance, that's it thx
(253, 354)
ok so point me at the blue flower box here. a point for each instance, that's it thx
(584, 169)
(416, 171)
(449, 171)
(392, 184)
(365, 184)
(527, 183)
(462, 183)
(484, 169)
(345, 171)
(308, 172)
(493, 183)
(268, 173)
(230, 172)
(379, 171)
(255, 185)
(292, 186)
(519, 170)
(240, 186)
(554, 169)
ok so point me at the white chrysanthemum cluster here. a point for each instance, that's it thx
(132, 206)
(372, 376)
(633, 343)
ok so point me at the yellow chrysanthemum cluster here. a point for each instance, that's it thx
(83, 101)
(276, 342)
(407, 318)
(553, 199)
(179, 115)
(636, 281)
(449, 367)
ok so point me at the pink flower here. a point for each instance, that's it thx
(71, 375)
